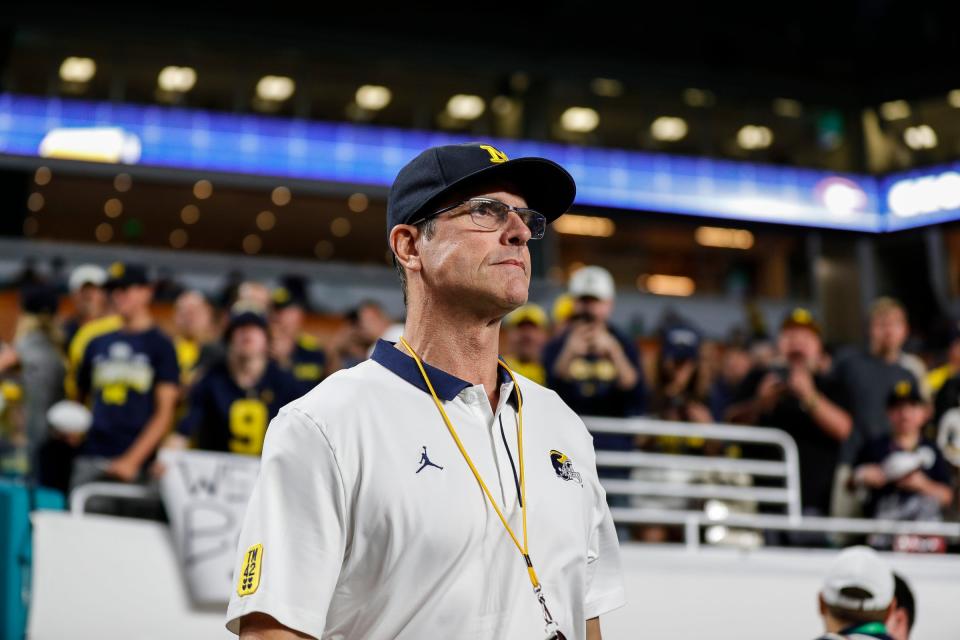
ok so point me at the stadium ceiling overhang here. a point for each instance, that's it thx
(250, 145)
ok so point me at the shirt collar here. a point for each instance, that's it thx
(446, 385)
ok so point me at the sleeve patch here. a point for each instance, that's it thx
(250, 571)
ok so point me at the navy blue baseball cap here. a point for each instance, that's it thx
(122, 275)
(242, 315)
(680, 343)
(429, 179)
(40, 299)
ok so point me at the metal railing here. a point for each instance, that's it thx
(788, 470)
(693, 521)
(82, 494)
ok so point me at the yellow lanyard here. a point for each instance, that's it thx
(525, 547)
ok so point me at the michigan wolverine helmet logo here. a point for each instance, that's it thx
(563, 467)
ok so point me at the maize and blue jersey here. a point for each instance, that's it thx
(119, 372)
(222, 416)
(308, 363)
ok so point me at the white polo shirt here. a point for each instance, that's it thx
(366, 522)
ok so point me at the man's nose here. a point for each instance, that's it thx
(515, 230)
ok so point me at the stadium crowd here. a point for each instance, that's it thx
(878, 433)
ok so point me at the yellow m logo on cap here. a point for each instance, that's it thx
(496, 156)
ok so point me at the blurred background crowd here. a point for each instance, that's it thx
(877, 427)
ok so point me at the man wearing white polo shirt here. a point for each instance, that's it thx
(431, 492)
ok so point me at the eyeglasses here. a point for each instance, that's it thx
(488, 213)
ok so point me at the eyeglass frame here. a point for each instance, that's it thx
(510, 208)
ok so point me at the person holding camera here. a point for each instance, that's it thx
(595, 368)
(796, 396)
(592, 366)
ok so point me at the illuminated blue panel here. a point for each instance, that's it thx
(921, 197)
(368, 155)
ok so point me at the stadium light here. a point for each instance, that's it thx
(373, 97)
(275, 88)
(77, 69)
(694, 97)
(606, 87)
(920, 137)
(754, 137)
(91, 144)
(466, 107)
(177, 79)
(576, 225)
(669, 129)
(787, 108)
(929, 194)
(723, 238)
(895, 110)
(580, 119)
(666, 285)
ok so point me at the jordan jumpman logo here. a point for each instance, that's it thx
(425, 462)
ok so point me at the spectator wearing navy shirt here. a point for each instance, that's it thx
(595, 369)
(130, 378)
(795, 395)
(293, 348)
(592, 366)
(906, 475)
(231, 405)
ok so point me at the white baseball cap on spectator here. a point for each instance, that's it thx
(592, 282)
(859, 580)
(87, 274)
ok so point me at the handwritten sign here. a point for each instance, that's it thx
(206, 494)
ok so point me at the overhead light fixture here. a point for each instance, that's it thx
(665, 285)
(668, 129)
(753, 136)
(953, 98)
(841, 196)
(176, 79)
(895, 110)
(787, 107)
(178, 238)
(580, 119)
(358, 202)
(919, 196)
(502, 105)
(577, 225)
(373, 97)
(202, 189)
(42, 176)
(723, 238)
(465, 106)
(252, 244)
(35, 202)
(77, 69)
(275, 88)
(920, 137)
(606, 87)
(266, 220)
(281, 196)
(694, 97)
(91, 144)
(340, 227)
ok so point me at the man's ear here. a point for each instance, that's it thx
(403, 243)
(822, 604)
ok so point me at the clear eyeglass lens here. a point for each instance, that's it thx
(492, 215)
